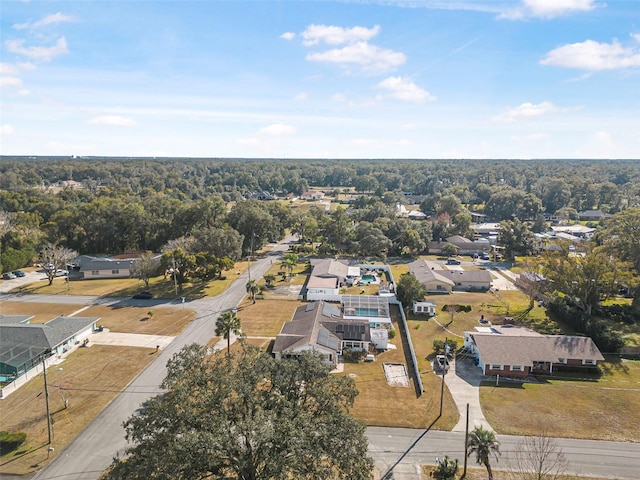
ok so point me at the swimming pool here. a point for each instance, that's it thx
(367, 312)
(369, 278)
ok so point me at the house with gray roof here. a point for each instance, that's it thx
(121, 266)
(327, 276)
(23, 345)
(515, 351)
(438, 280)
(321, 327)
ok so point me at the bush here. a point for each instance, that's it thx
(392, 333)
(9, 441)
(352, 356)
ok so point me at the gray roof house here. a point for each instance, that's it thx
(514, 351)
(326, 278)
(23, 345)
(90, 267)
(437, 280)
(321, 328)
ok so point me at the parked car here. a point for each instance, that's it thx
(442, 362)
(61, 273)
(8, 276)
(453, 261)
(484, 256)
(19, 273)
(143, 296)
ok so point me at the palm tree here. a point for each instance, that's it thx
(289, 261)
(253, 289)
(269, 278)
(483, 443)
(227, 324)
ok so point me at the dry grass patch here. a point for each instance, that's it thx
(102, 287)
(165, 321)
(382, 405)
(42, 312)
(89, 379)
(603, 409)
(265, 317)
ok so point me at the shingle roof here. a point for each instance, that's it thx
(319, 323)
(520, 346)
(425, 272)
(330, 267)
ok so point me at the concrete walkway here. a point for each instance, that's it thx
(463, 381)
(129, 339)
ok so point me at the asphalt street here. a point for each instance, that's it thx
(398, 453)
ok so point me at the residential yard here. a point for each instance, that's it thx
(165, 321)
(265, 317)
(89, 379)
(601, 408)
(379, 404)
(160, 286)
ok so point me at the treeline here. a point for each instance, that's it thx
(500, 187)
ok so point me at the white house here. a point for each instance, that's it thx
(424, 307)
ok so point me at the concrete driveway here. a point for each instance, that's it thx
(463, 381)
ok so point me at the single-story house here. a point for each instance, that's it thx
(429, 274)
(327, 276)
(24, 345)
(469, 280)
(464, 245)
(312, 195)
(437, 280)
(424, 307)
(576, 230)
(593, 215)
(485, 229)
(121, 266)
(514, 351)
(320, 327)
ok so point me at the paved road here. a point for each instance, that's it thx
(91, 452)
(399, 452)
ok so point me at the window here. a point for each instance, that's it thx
(95, 272)
(115, 272)
(517, 368)
(562, 360)
(496, 366)
(588, 361)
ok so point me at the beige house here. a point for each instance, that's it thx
(429, 274)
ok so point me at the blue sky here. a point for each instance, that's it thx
(328, 79)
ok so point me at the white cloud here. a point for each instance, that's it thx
(525, 111)
(10, 82)
(402, 88)
(339, 97)
(8, 69)
(278, 129)
(548, 8)
(370, 58)
(52, 19)
(7, 130)
(113, 121)
(593, 56)
(288, 36)
(332, 35)
(42, 54)
(301, 97)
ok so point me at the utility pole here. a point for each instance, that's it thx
(466, 444)
(46, 395)
(175, 280)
